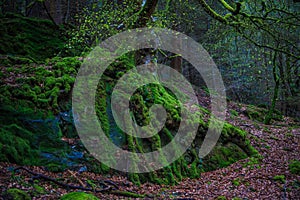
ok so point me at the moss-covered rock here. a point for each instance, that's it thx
(25, 133)
(16, 194)
(233, 144)
(43, 86)
(259, 114)
(78, 196)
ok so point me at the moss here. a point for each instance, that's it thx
(234, 113)
(78, 196)
(135, 178)
(16, 194)
(29, 39)
(279, 178)
(128, 194)
(25, 133)
(254, 162)
(38, 189)
(236, 182)
(42, 85)
(294, 167)
(221, 198)
(259, 114)
(223, 156)
(14, 148)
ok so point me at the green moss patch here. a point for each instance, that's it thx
(294, 167)
(279, 178)
(78, 196)
(24, 133)
(42, 86)
(259, 114)
(16, 194)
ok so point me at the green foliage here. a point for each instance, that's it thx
(294, 167)
(99, 22)
(222, 156)
(14, 148)
(234, 113)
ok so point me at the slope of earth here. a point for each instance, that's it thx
(274, 175)
(28, 39)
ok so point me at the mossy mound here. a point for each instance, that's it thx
(78, 196)
(259, 114)
(24, 133)
(294, 167)
(36, 112)
(16, 194)
(34, 39)
(232, 146)
(45, 86)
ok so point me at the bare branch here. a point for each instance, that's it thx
(211, 12)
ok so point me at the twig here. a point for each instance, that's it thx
(108, 189)
(74, 175)
(38, 175)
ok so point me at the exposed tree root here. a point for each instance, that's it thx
(109, 186)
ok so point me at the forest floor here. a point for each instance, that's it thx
(266, 178)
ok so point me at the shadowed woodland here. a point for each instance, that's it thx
(254, 44)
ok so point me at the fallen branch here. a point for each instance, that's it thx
(74, 175)
(69, 186)
(108, 189)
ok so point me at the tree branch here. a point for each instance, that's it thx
(146, 12)
(266, 46)
(211, 12)
(107, 189)
(227, 6)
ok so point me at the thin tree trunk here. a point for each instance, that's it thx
(48, 13)
(269, 116)
(68, 12)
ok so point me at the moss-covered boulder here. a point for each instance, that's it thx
(78, 196)
(259, 114)
(16, 194)
(232, 146)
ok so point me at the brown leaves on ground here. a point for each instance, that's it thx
(251, 178)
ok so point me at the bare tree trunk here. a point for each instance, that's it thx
(269, 116)
(48, 13)
(68, 12)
